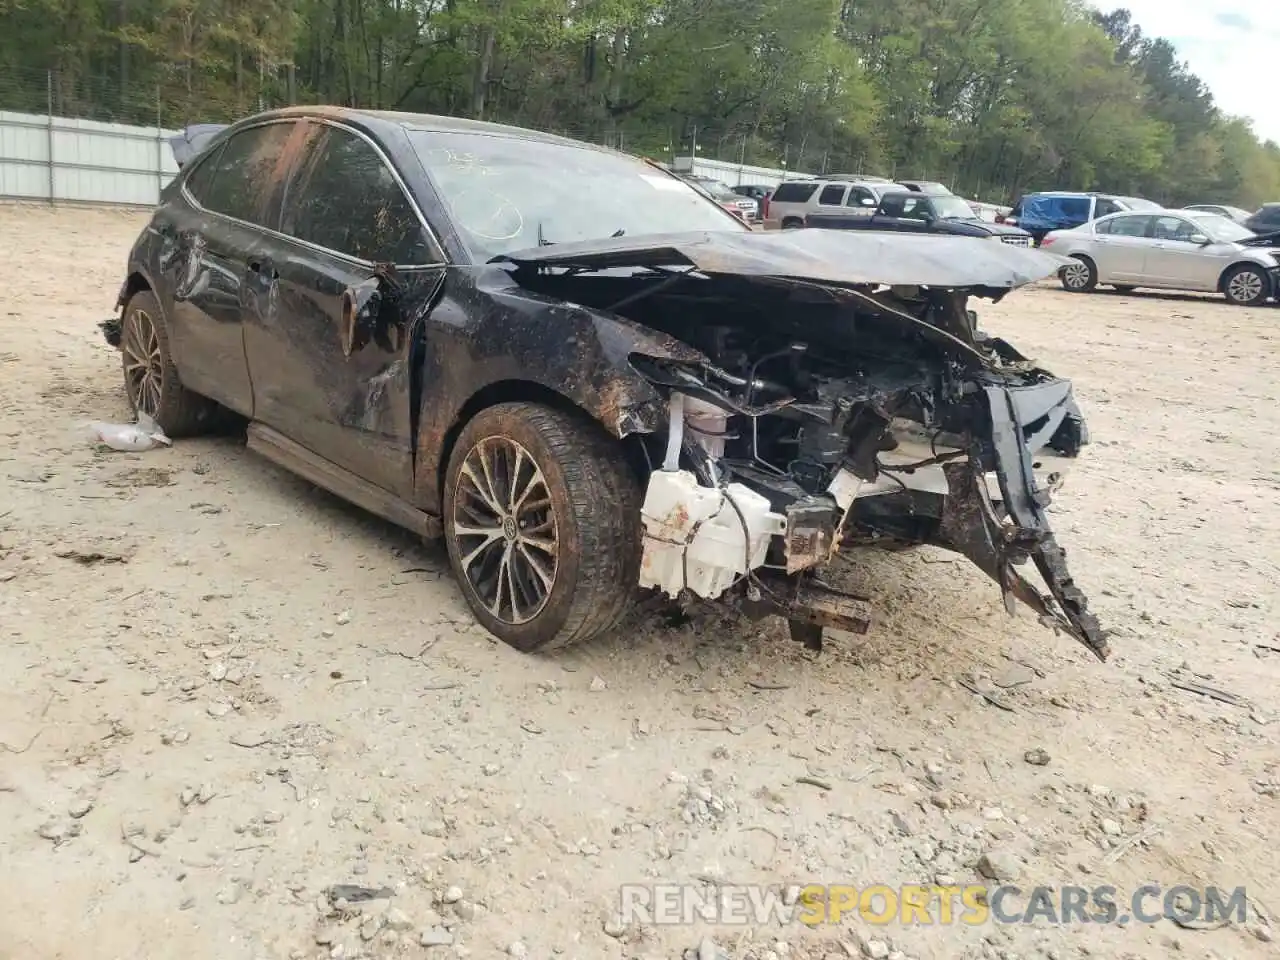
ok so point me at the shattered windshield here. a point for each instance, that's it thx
(508, 194)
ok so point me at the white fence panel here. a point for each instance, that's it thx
(56, 158)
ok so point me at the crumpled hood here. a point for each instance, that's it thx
(824, 256)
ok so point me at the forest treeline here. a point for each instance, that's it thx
(991, 96)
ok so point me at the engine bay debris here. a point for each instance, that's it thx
(832, 403)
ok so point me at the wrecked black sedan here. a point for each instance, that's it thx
(589, 378)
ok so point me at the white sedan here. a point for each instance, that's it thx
(1169, 250)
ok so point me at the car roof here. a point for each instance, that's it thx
(429, 123)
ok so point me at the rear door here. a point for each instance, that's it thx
(230, 197)
(333, 363)
(1120, 248)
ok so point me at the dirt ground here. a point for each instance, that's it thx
(226, 691)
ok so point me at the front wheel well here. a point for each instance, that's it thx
(135, 284)
(1222, 279)
(527, 391)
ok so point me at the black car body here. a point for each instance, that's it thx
(1265, 220)
(922, 213)
(931, 187)
(432, 319)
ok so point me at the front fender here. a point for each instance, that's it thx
(489, 341)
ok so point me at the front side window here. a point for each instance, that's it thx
(344, 198)
(860, 197)
(1174, 228)
(241, 177)
(507, 193)
(915, 208)
(1105, 207)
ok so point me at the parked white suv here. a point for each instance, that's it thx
(795, 199)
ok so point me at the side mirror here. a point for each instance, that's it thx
(1200, 239)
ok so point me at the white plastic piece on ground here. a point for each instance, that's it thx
(695, 531)
(844, 487)
(707, 423)
(130, 437)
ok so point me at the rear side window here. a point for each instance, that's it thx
(1135, 226)
(794, 192)
(200, 178)
(239, 179)
(832, 194)
(1104, 207)
(345, 198)
(1268, 215)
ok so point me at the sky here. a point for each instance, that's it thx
(1228, 45)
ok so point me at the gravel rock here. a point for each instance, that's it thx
(598, 685)
(999, 865)
(1037, 757)
(436, 937)
(79, 807)
(875, 949)
(613, 927)
(452, 894)
(517, 950)
(1110, 828)
(398, 920)
(59, 831)
(707, 950)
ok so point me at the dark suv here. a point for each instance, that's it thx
(1266, 219)
(596, 383)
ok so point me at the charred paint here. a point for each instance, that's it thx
(812, 343)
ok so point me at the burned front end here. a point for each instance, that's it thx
(820, 408)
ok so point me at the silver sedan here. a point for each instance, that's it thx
(1169, 250)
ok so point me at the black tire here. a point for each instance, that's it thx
(791, 223)
(592, 503)
(150, 378)
(1077, 280)
(1246, 286)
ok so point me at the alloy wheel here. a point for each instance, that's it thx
(143, 363)
(505, 530)
(1245, 287)
(1076, 275)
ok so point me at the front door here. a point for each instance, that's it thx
(1175, 260)
(332, 352)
